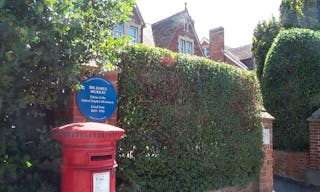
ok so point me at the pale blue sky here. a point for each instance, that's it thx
(238, 17)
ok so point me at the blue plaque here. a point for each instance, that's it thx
(97, 99)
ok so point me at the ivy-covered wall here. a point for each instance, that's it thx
(191, 124)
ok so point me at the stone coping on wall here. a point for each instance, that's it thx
(315, 115)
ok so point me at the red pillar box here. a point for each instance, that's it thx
(88, 156)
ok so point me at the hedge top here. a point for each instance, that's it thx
(188, 120)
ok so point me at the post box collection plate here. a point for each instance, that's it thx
(96, 99)
(101, 182)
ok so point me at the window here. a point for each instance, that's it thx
(206, 51)
(188, 48)
(118, 31)
(133, 33)
(185, 46)
(181, 46)
(186, 26)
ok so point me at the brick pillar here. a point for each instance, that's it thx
(266, 173)
(77, 117)
(313, 174)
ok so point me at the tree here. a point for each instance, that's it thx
(290, 86)
(43, 44)
(263, 36)
(294, 13)
(299, 14)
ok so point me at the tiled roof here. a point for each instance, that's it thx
(242, 53)
(235, 60)
(164, 30)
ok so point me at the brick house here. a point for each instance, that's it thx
(132, 28)
(177, 33)
(215, 49)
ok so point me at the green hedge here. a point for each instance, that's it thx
(191, 124)
(291, 88)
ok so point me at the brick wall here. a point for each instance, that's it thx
(314, 136)
(292, 165)
(302, 166)
(174, 43)
(76, 115)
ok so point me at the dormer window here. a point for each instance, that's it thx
(206, 51)
(186, 26)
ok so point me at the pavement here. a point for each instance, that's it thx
(286, 185)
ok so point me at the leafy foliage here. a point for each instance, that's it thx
(263, 36)
(294, 13)
(191, 124)
(42, 45)
(300, 14)
(290, 86)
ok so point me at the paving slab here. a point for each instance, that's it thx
(286, 185)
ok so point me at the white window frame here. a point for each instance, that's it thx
(186, 26)
(183, 42)
(133, 39)
(206, 51)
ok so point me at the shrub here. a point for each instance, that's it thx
(42, 45)
(290, 84)
(191, 124)
(264, 34)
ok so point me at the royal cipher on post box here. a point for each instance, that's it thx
(88, 156)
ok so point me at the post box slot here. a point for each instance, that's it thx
(100, 157)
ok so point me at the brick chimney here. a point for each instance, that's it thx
(216, 40)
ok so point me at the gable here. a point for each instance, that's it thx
(136, 17)
(167, 32)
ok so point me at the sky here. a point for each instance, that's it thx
(238, 17)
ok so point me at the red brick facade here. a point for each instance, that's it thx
(136, 16)
(180, 26)
(173, 46)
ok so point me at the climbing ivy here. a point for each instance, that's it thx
(191, 124)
